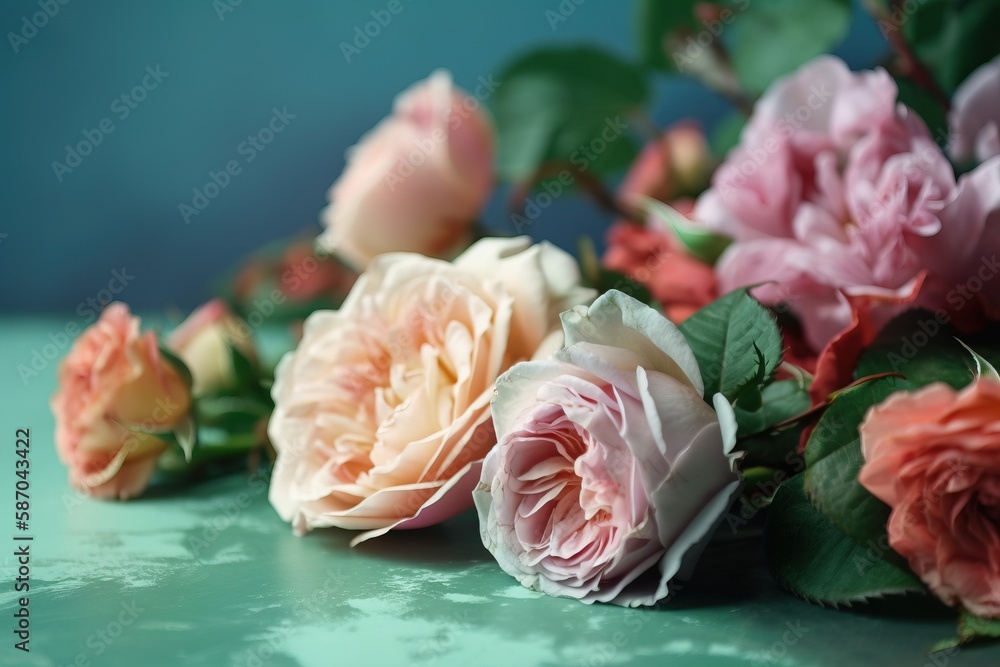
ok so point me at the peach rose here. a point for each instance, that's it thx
(112, 384)
(934, 457)
(417, 181)
(382, 413)
(203, 342)
(610, 465)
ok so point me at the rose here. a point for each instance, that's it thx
(836, 192)
(651, 256)
(675, 163)
(934, 457)
(114, 390)
(975, 116)
(609, 463)
(417, 181)
(382, 412)
(204, 342)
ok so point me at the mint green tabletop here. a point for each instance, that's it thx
(211, 576)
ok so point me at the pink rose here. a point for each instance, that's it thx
(382, 415)
(113, 383)
(975, 115)
(834, 192)
(417, 181)
(204, 342)
(934, 457)
(609, 463)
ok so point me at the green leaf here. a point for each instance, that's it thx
(779, 401)
(726, 134)
(178, 364)
(232, 413)
(699, 241)
(983, 367)
(923, 349)
(774, 37)
(812, 558)
(975, 627)
(186, 434)
(920, 100)
(951, 38)
(656, 20)
(244, 371)
(833, 459)
(567, 105)
(970, 629)
(723, 335)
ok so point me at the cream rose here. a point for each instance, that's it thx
(382, 414)
(611, 472)
(204, 342)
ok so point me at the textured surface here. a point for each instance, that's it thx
(211, 582)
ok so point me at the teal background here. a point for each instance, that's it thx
(119, 207)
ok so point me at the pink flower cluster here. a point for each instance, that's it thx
(837, 191)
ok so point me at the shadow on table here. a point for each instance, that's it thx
(454, 541)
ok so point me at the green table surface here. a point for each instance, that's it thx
(212, 576)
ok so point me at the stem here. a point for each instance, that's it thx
(910, 64)
(820, 407)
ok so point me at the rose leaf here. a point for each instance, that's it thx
(569, 104)
(812, 558)
(723, 336)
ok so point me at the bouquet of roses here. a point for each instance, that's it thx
(805, 324)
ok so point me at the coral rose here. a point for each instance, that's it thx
(382, 414)
(114, 390)
(417, 181)
(611, 472)
(934, 457)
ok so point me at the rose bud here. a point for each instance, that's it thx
(115, 389)
(204, 342)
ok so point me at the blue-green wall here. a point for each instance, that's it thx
(119, 207)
